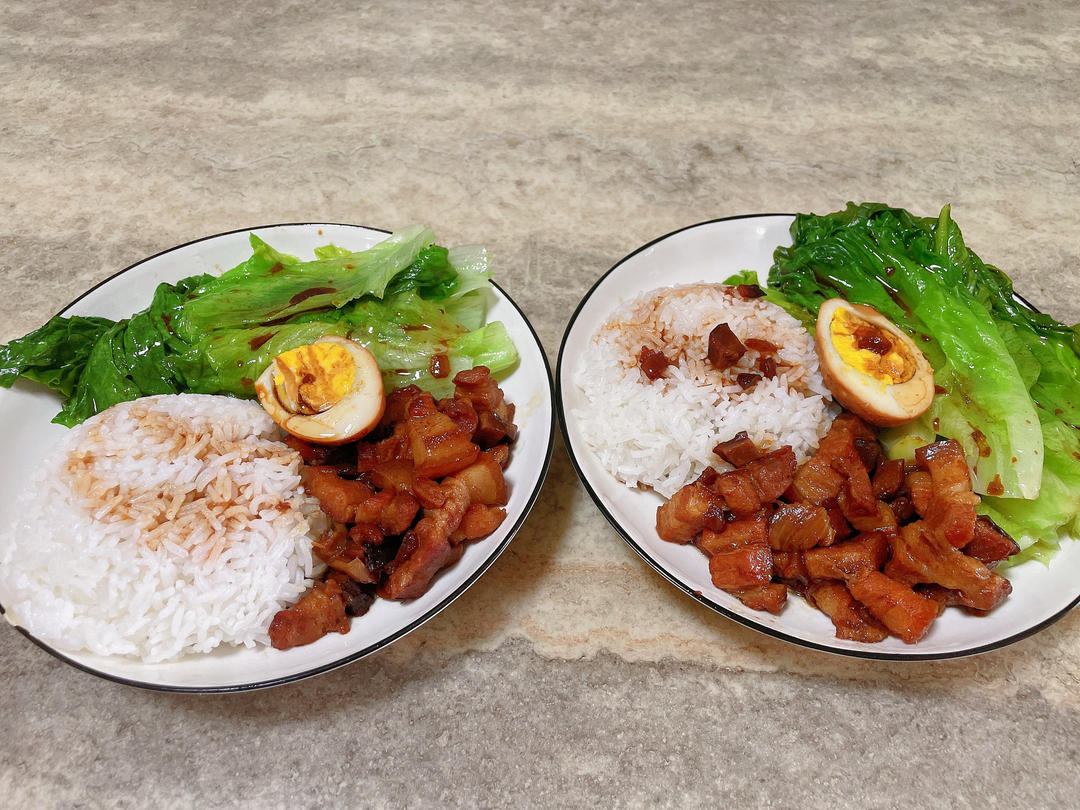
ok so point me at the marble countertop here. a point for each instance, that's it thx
(561, 136)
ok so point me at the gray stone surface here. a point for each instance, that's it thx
(562, 136)
(513, 729)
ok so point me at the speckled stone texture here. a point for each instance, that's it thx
(562, 136)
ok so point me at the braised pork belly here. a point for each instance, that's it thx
(404, 501)
(880, 546)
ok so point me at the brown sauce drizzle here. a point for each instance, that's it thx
(981, 443)
(439, 365)
(256, 342)
(310, 292)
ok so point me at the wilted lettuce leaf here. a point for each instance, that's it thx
(404, 298)
(1011, 375)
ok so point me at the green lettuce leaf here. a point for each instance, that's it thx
(1010, 374)
(405, 299)
(884, 257)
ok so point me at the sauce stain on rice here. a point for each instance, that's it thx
(200, 516)
(169, 525)
(660, 433)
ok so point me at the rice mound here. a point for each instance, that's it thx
(661, 433)
(167, 525)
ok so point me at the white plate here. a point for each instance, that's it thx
(713, 251)
(26, 409)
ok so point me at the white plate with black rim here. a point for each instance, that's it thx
(711, 252)
(26, 410)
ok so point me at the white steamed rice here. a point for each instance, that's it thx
(661, 433)
(163, 526)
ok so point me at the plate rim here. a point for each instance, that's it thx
(686, 589)
(381, 643)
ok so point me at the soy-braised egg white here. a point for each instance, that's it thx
(329, 391)
(872, 367)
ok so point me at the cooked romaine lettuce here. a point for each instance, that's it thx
(1009, 376)
(406, 299)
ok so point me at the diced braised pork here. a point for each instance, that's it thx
(790, 566)
(744, 567)
(320, 611)
(739, 450)
(797, 527)
(682, 518)
(922, 555)
(747, 531)
(852, 620)
(990, 543)
(898, 607)
(337, 496)
(848, 560)
(888, 478)
(770, 597)
(725, 348)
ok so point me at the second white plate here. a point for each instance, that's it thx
(711, 252)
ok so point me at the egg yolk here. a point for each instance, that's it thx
(870, 349)
(312, 379)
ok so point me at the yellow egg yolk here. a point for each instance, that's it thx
(870, 349)
(312, 379)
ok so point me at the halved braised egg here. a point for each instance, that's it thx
(329, 391)
(871, 367)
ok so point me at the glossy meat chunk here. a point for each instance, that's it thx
(682, 518)
(852, 619)
(790, 566)
(797, 527)
(753, 530)
(481, 389)
(815, 482)
(418, 561)
(898, 607)
(746, 489)
(920, 489)
(953, 517)
(850, 559)
(337, 496)
(744, 567)
(652, 363)
(439, 446)
(725, 348)
(478, 521)
(320, 611)
(739, 450)
(947, 466)
(856, 497)
(883, 519)
(922, 555)
(990, 543)
(484, 480)
(773, 473)
(951, 508)
(763, 597)
(888, 478)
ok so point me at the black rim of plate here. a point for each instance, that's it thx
(378, 645)
(682, 586)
